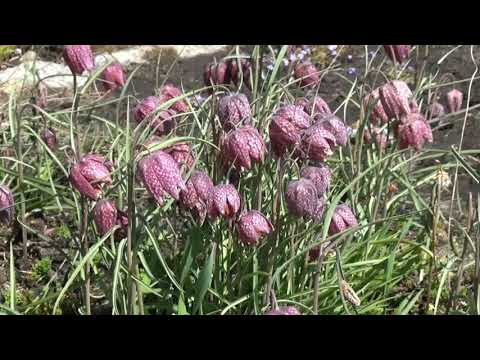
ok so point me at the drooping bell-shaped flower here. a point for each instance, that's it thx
(79, 58)
(145, 108)
(284, 310)
(49, 138)
(196, 196)
(317, 143)
(380, 137)
(436, 110)
(224, 201)
(242, 147)
(89, 174)
(7, 209)
(342, 219)
(160, 175)
(234, 110)
(308, 73)
(181, 153)
(317, 107)
(414, 131)
(397, 53)
(251, 226)
(334, 125)
(169, 92)
(454, 100)
(286, 126)
(240, 69)
(320, 175)
(113, 77)
(216, 74)
(395, 97)
(164, 121)
(303, 201)
(106, 216)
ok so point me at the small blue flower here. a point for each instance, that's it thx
(349, 57)
(351, 71)
(285, 62)
(371, 54)
(270, 67)
(332, 47)
(333, 53)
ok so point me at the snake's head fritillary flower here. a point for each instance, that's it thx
(160, 175)
(182, 154)
(89, 174)
(320, 175)
(106, 216)
(251, 226)
(234, 110)
(308, 73)
(224, 201)
(113, 77)
(454, 100)
(334, 125)
(240, 69)
(395, 97)
(286, 126)
(397, 53)
(380, 137)
(303, 201)
(216, 74)
(318, 107)
(436, 110)
(145, 107)
(342, 219)
(169, 92)
(284, 310)
(196, 196)
(50, 138)
(243, 146)
(317, 143)
(414, 131)
(7, 209)
(79, 58)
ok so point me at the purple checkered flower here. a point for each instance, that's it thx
(342, 219)
(89, 174)
(7, 209)
(79, 58)
(251, 226)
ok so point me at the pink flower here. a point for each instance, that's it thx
(233, 110)
(454, 99)
(397, 53)
(106, 216)
(198, 191)
(89, 174)
(216, 74)
(7, 209)
(160, 175)
(317, 143)
(377, 114)
(48, 136)
(234, 71)
(224, 201)
(169, 92)
(303, 201)
(320, 175)
(113, 77)
(414, 131)
(308, 73)
(79, 58)
(395, 97)
(284, 310)
(182, 154)
(334, 125)
(342, 219)
(243, 146)
(251, 226)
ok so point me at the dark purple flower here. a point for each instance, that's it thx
(342, 219)
(243, 146)
(317, 143)
(317, 107)
(377, 114)
(224, 201)
(216, 74)
(454, 100)
(397, 53)
(145, 107)
(233, 110)
(160, 174)
(286, 126)
(284, 310)
(303, 200)
(308, 73)
(106, 216)
(199, 189)
(89, 174)
(48, 136)
(320, 175)
(414, 131)
(395, 97)
(7, 209)
(169, 92)
(251, 226)
(336, 126)
(234, 71)
(79, 58)
(113, 77)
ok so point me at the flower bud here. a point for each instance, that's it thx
(252, 226)
(308, 73)
(89, 174)
(414, 131)
(285, 127)
(224, 201)
(233, 110)
(243, 146)
(397, 53)
(454, 100)
(7, 209)
(349, 294)
(48, 136)
(79, 58)
(320, 175)
(342, 219)
(160, 174)
(169, 92)
(113, 77)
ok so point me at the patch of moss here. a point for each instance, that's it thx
(41, 268)
(6, 51)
